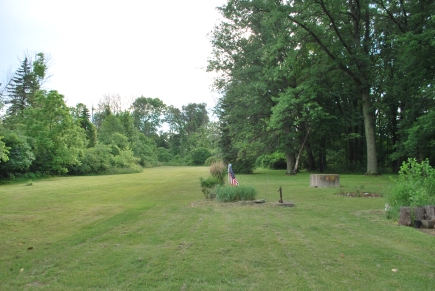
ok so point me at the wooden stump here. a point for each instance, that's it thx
(324, 180)
(405, 216)
(427, 223)
(429, 212)
(419, 213)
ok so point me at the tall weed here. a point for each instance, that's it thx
(415, 186)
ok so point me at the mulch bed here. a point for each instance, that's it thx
(361, 194)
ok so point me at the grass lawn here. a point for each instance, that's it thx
(155, 231)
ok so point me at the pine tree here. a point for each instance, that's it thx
(24, 85)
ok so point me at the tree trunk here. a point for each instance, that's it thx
(290, 162)
(288, 149)
(311, 161)
(372, 160)
(322, 158)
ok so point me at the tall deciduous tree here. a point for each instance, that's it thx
(148, 114)
(194, 116)
(56, 140)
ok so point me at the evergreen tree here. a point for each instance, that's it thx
(25, 84)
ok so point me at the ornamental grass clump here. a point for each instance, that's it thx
(414, 187)
(232, 194)
(219, 171)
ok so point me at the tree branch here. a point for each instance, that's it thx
(337, 32)
(325, 49)
(391, 16)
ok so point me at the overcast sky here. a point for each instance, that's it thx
(133, 48)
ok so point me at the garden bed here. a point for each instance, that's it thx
(361, 194)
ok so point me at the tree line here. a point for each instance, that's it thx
(332, 85)
(40, 135)
(343, 86)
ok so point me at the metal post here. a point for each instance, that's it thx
(280, 195)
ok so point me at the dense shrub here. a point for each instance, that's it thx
(94, 160)
(207, 185)
(243, 166)
(125, 159)
(273, 161)
(231, 193)
(164, 155)
(20, 154)
(198, 156)
(415, 186)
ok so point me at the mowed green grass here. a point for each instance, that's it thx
(155, 231)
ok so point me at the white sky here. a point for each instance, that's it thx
(133, 48)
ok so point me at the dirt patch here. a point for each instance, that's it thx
(430, 231)
(361, 194)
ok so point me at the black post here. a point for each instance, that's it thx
(280, 195)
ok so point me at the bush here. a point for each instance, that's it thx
(164, 155)
(125, 159)
(243, 166)
(273, 161)
(198, 156)
(94, 160)
(414, 187)
(207, 185)
(211, 160)
(231, 193)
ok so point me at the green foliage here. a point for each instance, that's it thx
(111, 125)
(4, 151)
(25, 84)
(244, 165)
(57, 141)
(421, 138)
(164, 155)
(145, 150)
(147, 114)
(310, 65)
(275, 160)
(94, 160)
(128, 144)
(415, 186)
(194, 116)
(198, 156)
(20, 154)
(82, 116)
(232, 193)
(211, 160)
(125, 159)
(207, 186)
(218, 172)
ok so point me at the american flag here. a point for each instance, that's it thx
(233, 179)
